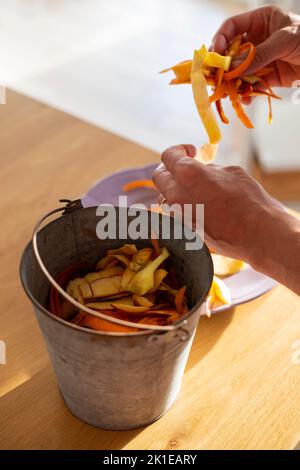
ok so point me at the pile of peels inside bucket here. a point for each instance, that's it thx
(131, 284)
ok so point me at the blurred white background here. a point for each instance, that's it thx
(99, 60)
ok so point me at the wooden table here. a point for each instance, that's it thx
(241, 389)
(283, 185)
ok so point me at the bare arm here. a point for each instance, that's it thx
(279, 255)
(241, 220)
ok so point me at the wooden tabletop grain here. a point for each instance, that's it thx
(241, 388)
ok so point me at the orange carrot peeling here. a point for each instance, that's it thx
(221, 113)
(235, 100)
(179, 300)
(238, 71)
(138, 184)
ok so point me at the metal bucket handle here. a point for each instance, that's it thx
(70, 206)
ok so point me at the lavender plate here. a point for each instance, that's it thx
(110, 188)
(244, 286)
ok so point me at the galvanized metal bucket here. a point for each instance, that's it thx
(112, 380)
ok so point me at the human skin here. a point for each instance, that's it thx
(241, 219)
(276, 35)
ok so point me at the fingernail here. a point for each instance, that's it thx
(236, 62)
(222, 43)
(161, 199)
(160, 167)
(212, 46)
(219, 43)
(190, 150)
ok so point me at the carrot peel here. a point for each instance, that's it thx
(136, 184)
(179, 300)
(238, 71)
(235, 100)
(220, 110)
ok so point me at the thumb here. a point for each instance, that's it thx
(277, 46)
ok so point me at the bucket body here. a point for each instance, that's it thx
(113, 381)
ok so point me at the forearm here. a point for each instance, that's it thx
(278, 250)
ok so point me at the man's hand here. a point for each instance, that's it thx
(241, 220)
(277, 37)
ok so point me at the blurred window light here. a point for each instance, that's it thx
(293, 5)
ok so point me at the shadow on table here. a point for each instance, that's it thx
(208, 333)
(34, 416)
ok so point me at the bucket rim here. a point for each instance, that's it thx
(47, 312)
